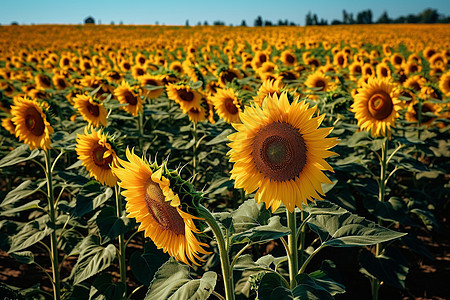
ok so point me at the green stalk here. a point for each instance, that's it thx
(227, 272)
(53, 239)
(122, 265)
(141, 128)
(194, 154)
(375, 283)
(302, 240)
(293, 248)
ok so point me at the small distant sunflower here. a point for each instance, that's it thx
(96, 152)
(376, 106)
(91, 111)
(318, 81)
(268, 88)
(184, 95)
(152, 201)
(367, 69)
(197, 114)
(60, 82)
(279, 151)
(227, 76)
(126, 95)
(137, 71)
(9, 125)
(288, 58)
(444, 84)
(383, 70)
(31, 122)
(397, 60)
(155, 81)
(227, 105)
(340, 59)
(43, 81)
(428, 109)
(415, 82)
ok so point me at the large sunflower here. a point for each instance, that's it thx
(186, 97)
(91, 111)
(126, 95)
(95, 151)
(153, 202)
(31, 122)
(227, 105)
(279, 151)
(376, 106)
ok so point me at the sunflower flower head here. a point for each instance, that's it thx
(279, 152)
(32, 123)
(96, 151)
(376, 106)
(91, 110)
(125, 94)
(156, 198)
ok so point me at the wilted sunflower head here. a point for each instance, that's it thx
(155, 198)
(376, 106)
(279, 151)
(96, 151)
(31, 122)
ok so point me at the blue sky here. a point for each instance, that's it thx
(176, 12)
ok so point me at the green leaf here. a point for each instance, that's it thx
(16, 156)
(308, 288)
(263, 233)
(144, 265)
(250, 214)
(91, 196)
(110, 226)
(25, 257)
(25, 189)
(221, 138)
(390, 267)
(394, 210)
(427, 217)
(105, 286)
(326, 282)
(92, 260)
(172, 281)
(245, 262)
(324, 208)
(30, 234)
(27, 206)
(347, 230)
(269, 282)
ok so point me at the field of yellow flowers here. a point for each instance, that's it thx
(165, 162)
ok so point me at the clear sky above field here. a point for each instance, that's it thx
(176, 12)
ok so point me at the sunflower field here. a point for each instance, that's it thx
(214, 162)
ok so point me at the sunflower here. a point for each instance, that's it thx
(227, 105)
(383, 70)
(153, 202)
(318, 81)
(280, 151)
(177, 67)
(415, 82)
(376, 106)
(43, 81)
(126, 95)
(9, 125)
(60, 82)
(31, 123)
(154, 81)
(91, 111)
(95, 151)
(227, 76)
(137, 71)
(268, 88)
(186, 97)
(288, 58)
(428, 108)
(197, 114)
(340, 59)
(444, 84)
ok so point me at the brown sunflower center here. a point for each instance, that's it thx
(130, 98)
(228, 76)
(398, 60)
(61, 83)
(34, 121)
(161, 211)
(357, 70)
(340, 60)
(115, 76)
(185, 95)
(279, 151)
(99, 160)
(384, 72)
(45, 81)
(320, 83)
(290, 59)
(93, 109)
(380, 105)
(230, 106)
(141, 60)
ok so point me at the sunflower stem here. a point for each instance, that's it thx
(53, 239)
(227, 272)
(122, 265)
(292, 242)
(375, 283)
(301, 239)
(141, 128)
(194, 154)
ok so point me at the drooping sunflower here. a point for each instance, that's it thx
(184, 95)
(32, 126)
(444, 84)
(227, 105)
(126, 95)
(96, 152)
(376, 106)
(91, 110)
(197, 114)
(152, 201)
(279, 151)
